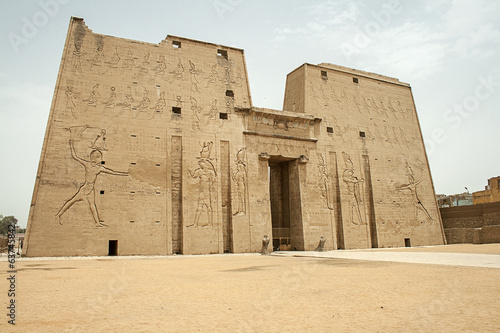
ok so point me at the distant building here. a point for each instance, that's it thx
(454, 200)
(476, 224)
(491, 192)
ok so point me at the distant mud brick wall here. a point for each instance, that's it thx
(477, 224)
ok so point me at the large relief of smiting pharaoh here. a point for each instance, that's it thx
(93, 167)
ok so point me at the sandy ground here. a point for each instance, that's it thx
(252, 293)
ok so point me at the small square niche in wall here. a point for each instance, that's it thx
(222, 53)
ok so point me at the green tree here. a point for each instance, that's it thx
(5, 222)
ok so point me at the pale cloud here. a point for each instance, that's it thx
(432, 5)
(324, 18)
(429, 47)
(335, 12)
(464, 15)
(282, 34)
(20, 99)
(23, 113)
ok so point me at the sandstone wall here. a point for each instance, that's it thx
(157, 149)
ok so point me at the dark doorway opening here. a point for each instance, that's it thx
(407, 242)
(113, 248)
(286, 211)
(279, 189)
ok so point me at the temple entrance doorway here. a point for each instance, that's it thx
(284, 193)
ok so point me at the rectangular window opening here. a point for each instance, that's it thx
(133, 163)
(355, 80)
(157, 165)
(103, 162)
(362, 134)
(133, 135)
(222, 53)
(222, 115)
(176, 44)
(157, 222)
(176, 110)
(329, 129)
(407, 242)
(324, 75)
(230, 93)
(157, 137)
(101, 192)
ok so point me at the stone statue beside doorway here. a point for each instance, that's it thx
(321, 245)
(265, 244)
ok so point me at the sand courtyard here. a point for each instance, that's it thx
(254, 293)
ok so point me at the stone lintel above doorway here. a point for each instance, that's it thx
(279, 124)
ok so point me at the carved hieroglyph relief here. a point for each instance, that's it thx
(71, 100)
(213, 76)
(391, 109)
(93, 167)
(93, 97)
(213, 112)
(177, 73)
(114, 60)
(126, 104)
(77, 58)
(161, 66)
(110, 103)
(97, 59)
(129, 61)
(194, 79)
(207, 192)
(324, 183)
(196, 110)
(340, 131)
(228, 76)
(160, 103)
(353, 192)
(411, 186)
(366, 106)
(144, 103)
(100, 141)
(144, 66)
(240, 179)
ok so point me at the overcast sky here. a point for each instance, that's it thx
(448, 51)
